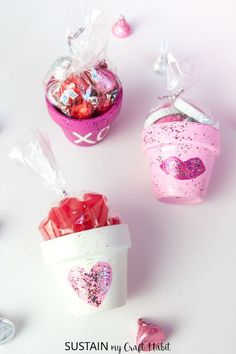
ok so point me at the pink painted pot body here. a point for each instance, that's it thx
(86, 132)
(181, 157)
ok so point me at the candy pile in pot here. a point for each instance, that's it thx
(81, 85)
(87, 94)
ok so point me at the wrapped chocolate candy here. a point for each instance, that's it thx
(150, 336)
(7, 331)
(83, 95)
(84, 244)
(181, 141)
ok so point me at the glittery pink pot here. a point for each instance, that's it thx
(91, 267)
(164, 143)
(86, 132)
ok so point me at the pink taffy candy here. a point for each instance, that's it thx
(149, 336)
(171, 117)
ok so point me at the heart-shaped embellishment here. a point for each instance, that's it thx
(149, 335)
(182, 170)
(92, 286)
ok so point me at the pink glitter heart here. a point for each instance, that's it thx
(91, 287)
(179, 169)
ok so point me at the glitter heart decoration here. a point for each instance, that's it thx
(183, 170)
(92, 286)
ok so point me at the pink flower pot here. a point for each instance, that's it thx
(181, 157)
(86, 132)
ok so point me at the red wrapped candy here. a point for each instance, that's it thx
(75, 215)
(81, 111)
(80, 84)
(86, 94)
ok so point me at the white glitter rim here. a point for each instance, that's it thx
(161, 113)
(192, 112)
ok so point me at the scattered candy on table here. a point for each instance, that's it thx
(121, 28)
(7, 330)
(149, 335)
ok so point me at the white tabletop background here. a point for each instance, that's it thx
(182, 263)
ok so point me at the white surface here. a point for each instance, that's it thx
(182, 263)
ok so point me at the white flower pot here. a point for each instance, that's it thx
(91, 267)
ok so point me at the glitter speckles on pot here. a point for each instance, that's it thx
(92, 286)
(182, 170)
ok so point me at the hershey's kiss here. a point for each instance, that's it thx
(121, 28)
(62, 68)
(149, 335)
(7, 330)
(59, 70)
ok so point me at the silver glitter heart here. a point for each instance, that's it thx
(7, 330)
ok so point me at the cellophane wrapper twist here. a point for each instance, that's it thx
(81, 85)
(72, 213)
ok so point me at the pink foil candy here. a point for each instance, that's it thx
(121, 28)
(149, 336)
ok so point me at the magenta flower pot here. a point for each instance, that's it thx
(86, 132)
